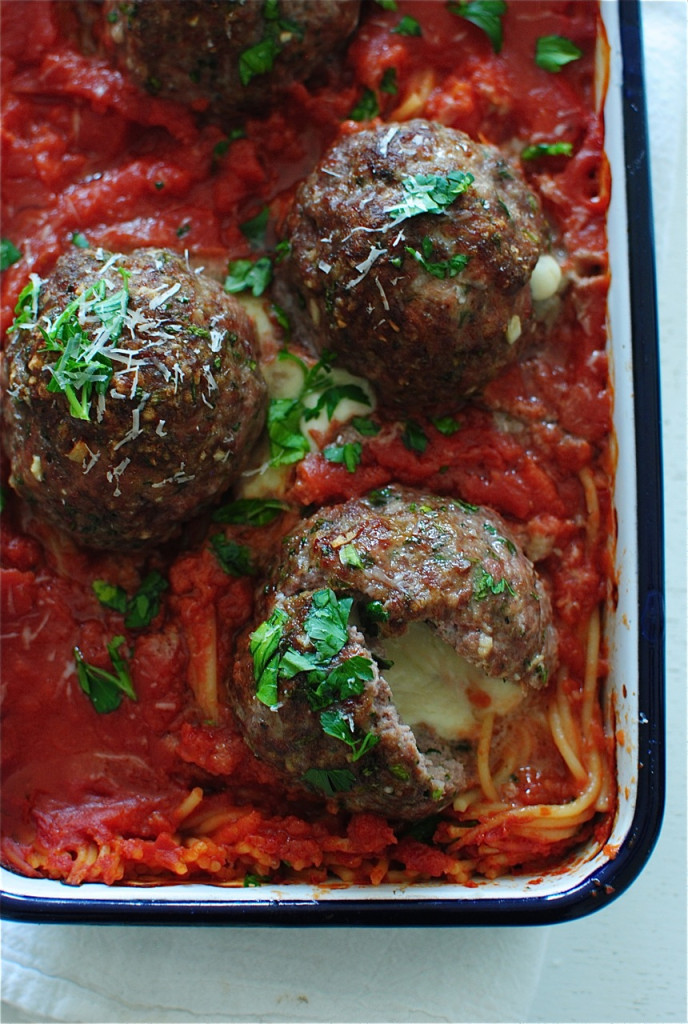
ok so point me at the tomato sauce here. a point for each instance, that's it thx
(164, 786)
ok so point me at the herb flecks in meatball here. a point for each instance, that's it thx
(134, 395)
(226, 56)
(412, 248)
(433, 581)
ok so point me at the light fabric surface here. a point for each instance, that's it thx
(90, 974)
(138, 974)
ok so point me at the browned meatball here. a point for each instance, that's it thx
(364, 572)
(230, 55)
(132, 395)
(412, 248)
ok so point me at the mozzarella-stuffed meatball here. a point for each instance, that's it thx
(412, 250)
(133, 395)
(226, 55)
(393, 624)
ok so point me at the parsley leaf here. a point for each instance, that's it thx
(139, 610)
(326, 623)
(553, 52)
(235, 559)
(539, 149)
(244, 275)
(255, 229)
(288, 444)
(388, 82)
(429, 193)
(337, 724)
(408, 26)
(105, 689)
(258, 59)
(348, 555)
(264, 649)
(9, 254)
(252, 511)
(330, 781)
(486, 584)
(446, 425)
(486, 15)
(366, 108)
(414, 437)
(442, 268)
(348, 454)
(84, 364)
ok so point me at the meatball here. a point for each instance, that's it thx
(313, 688)
(412, 249)
(227, 55)
(132, 395)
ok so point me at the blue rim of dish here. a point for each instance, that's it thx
(614, 877)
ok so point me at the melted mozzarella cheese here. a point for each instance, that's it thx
(433, 685)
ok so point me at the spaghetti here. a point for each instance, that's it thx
(164, 787)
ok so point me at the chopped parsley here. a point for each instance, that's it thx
(83, 365)
(348, 454)
(139, 610)
(330, 781)
(554, 52)
(494, 532)
(245, 275)
(366, 108)
(446, 425)
(255, 229)
(365, 426)
(288, 443)
(538, 149)
(486, 15)
(80, 240)
(326, 629)
(429, 193)
(485, 584)
(105, 689)
(388, 82)
(235, 559)
(251, 511)
(414, 437)
(259, 59)
(349, 556)
(408, 26)
(442, 268)
(9, 254)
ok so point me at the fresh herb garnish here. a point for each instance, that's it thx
(259, 59)
(251, 511)
(486, 15)
(83, 365)
(429, 193)
(414, 437)
(388, 82)
(235, 559)
(365, 426)
(539, 149)
(442, 268)
(255, 229)
(139, 610)
(494, 532)
(446, 425)
(349, 556)
(335, 722)
(288, 443)
(9, 254)
(264, 649)
(486, 584)
(408, 26)
(80, 240)
(245, 275)
(105, 689)
(348, 454)
(553, 52)
(366, 108)
(330, 781)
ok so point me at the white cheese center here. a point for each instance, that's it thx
(433, 685)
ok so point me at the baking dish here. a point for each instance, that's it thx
(634, 701)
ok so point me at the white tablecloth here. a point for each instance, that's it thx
(624, 964)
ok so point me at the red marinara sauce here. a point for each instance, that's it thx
(164, 786)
